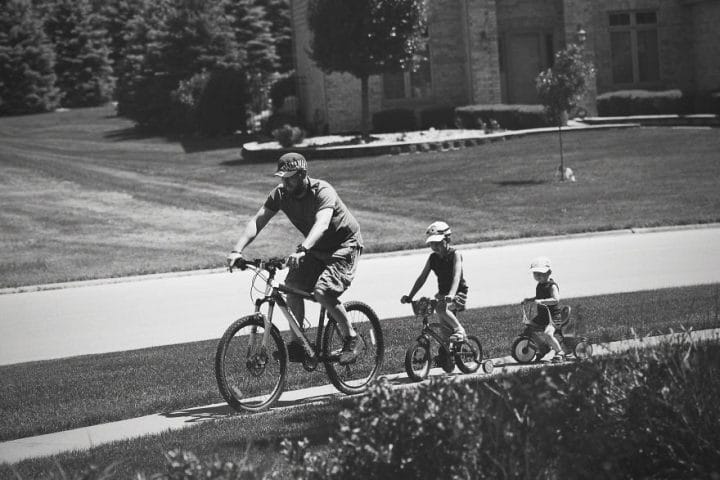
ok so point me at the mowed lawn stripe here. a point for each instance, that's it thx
(168, 205)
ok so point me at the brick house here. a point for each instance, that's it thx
(489, 51)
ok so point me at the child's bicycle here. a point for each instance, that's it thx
(251, 359)
(467, 355)
(531, 345)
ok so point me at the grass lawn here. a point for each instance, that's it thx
(48, 396)
(84, 197)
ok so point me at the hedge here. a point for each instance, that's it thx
(643, 102)
(510, 117)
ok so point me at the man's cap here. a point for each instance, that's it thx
(540, 265)
(290, 163)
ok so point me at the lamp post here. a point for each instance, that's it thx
(581, 35)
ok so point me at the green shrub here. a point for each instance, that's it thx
(282, 88)
(651, 413)
(511, 117)
(395, 120)
(642, 102)
(287, 135)
(437, 117)
(278, 120)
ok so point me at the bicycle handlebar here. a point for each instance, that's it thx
(271, 264)
(424, 306)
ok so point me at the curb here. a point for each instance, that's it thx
(395, 253)
(251, 153)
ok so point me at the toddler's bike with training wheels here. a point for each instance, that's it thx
(467, 355)
(252, 357)
(531, 344)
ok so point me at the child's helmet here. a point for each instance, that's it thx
(437, 231)
(540, 265)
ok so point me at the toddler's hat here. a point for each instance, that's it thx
(540, 265)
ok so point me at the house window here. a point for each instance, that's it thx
(409, 85)
(634, 47)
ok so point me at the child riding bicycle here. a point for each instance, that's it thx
(446, 263)
(547, 299)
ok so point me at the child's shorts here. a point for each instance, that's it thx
(458, 303)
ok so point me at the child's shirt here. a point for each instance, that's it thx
(544, 290)
(444, 269)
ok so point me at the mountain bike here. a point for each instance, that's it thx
(531, 345)
(252, 357)
(467, 355)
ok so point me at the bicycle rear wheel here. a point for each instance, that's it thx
(250, 376)
(468, 355)
(354, 377)
(417, 359)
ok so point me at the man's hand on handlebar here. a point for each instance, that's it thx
(405, 299)
(293, 260)
(234, 259)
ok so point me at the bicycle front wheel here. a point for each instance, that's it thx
(417, 359)
(468, 355)
(355, 376)
(523, 350)
(250, 375)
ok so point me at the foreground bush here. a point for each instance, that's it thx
(654, 414)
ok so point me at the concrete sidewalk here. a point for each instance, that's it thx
(88, 437)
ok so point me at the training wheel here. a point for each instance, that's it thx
(583, 350)
(488, 366)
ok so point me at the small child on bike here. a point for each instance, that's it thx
(547, 299)
(446, 263)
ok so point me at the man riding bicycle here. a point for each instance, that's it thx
(325, 261)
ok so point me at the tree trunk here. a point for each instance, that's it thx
(562, 160)
(365, 108)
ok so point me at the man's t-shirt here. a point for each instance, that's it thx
(343, 231)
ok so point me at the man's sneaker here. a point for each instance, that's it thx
(296, 351)
(349, 352)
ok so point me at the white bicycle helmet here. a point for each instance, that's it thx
(437, 231)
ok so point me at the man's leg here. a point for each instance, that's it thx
(336, 310)
(333, 281)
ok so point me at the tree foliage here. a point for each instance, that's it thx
(366, 38)
(171, 42)
(27, 77)
(82, 63)
(561, 87)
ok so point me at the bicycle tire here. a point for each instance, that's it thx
(355, 377)
(418, 359)
(583, 350)
(523, 350)
(263, 372)
(469, 354)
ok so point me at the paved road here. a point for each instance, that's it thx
(99, 317)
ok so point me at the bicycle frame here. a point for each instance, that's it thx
(427, 310)
(273, 296)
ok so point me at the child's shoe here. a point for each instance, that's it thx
(558, 358)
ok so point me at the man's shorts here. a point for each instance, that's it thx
(325, 272)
